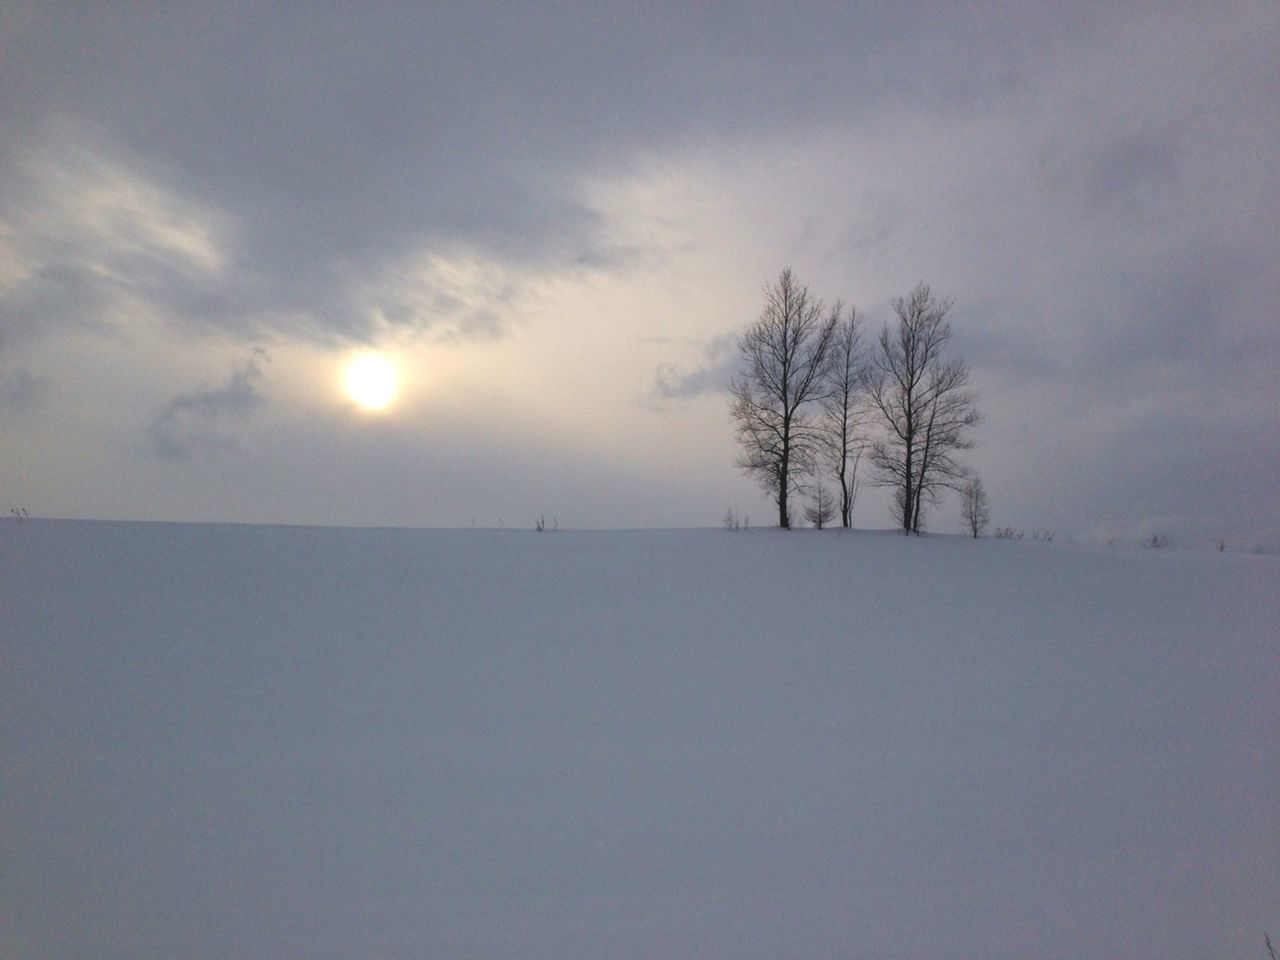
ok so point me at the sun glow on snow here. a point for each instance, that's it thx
(371, 381)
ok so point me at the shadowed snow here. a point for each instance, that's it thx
(273, 742)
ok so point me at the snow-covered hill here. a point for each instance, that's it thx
(270, 743)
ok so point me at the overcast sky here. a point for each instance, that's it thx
(554, 220)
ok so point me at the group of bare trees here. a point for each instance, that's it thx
(811, 402)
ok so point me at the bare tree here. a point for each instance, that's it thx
(922, 404)
(844, 409)
(974, 506)
(784, 357)
(822, 509)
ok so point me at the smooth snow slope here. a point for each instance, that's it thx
(271, 743)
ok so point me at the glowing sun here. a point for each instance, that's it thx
(371, 381)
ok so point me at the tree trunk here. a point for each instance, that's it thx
(784, 481)
(846, 483)
(908, 492)
(784, 473)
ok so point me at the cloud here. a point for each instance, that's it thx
(89, 239)
(710, 376)
(21, 390)
(1116, 166)
(250, 185)
(198, 421)
(86, 242)
(448, 297)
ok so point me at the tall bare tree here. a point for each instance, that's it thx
(844, 409)
(784, 359)
(922, 403)
(975, 507)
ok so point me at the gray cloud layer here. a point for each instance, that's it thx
(338, 142)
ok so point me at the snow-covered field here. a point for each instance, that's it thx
(268, 743)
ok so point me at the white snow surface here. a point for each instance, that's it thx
(267, 743)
